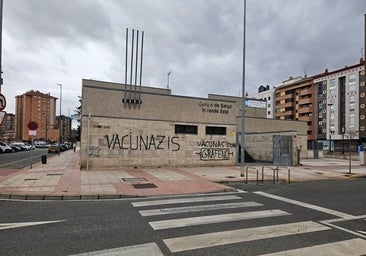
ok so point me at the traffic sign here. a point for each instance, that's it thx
(2, 102)
(32, 126)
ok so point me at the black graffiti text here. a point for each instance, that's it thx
(143, 142)
(215, 154)
(215, 144)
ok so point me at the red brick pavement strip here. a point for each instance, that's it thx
(61, 179)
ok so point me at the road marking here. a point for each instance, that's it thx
(241, 235)
(306, 205)
(26, 224)
(134, 250)
(197, 208)
(352, 247)
(184, 200)
(184, 222)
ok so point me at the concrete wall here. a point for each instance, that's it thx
(121, 134)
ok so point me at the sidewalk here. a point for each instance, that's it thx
(61, 179)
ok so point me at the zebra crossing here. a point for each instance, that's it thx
(209, 205)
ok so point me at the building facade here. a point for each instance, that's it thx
(40, 108)
(145, 126)
(341, 107)
(332, 103)
(65, 124)
(7, 128)
(294, 100)
(267, 94)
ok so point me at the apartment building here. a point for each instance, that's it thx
(7, 128)
(267, 94)
(332, 103)
(40, 108)
(65, 124)
(341, 107)
(294, 100)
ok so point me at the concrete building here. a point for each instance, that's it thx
(40, 108)
(294, 100)
(341, 107)
(134, 126)
(65, 124)
(7, 128)
(332, 104)
(267, 94)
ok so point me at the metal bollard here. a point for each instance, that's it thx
(257, 176)
(277, 175)
(274, 176)
(288, 175)
(246, 175)
(262, 174)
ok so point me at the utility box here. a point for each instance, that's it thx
(44, 159)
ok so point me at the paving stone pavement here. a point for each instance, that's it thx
(61, 178)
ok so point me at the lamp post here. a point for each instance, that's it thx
(330, 131)
(168, 78)
(242, 117)
(60, 121)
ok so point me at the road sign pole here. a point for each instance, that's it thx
(31, 158)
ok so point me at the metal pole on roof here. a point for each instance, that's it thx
(242, 132)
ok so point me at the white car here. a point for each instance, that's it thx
(5, 148)
(21, 145)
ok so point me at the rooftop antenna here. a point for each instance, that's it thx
(361, 53)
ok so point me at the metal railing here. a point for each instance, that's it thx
(275, 171)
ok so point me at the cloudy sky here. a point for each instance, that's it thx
(50, 42)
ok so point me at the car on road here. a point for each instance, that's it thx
(5, 148)
(54, 148)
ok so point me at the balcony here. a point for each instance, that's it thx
(306, 92)
(284, 97)
(305, 101)
(305, 110)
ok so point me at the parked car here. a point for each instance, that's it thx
(54, 148)
(30, 146)
(22, 145)
(5, 148)
(15, 148)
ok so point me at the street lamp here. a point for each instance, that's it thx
(60, 122)
(330, 131)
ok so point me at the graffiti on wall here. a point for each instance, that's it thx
(215, 108)
(211, 150)
(143, 142)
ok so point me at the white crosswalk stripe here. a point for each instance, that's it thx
(150, 249)
(235, 236)
(240, 235)
(353, 247)
(185, 200)
(185, 222)
(198, 208)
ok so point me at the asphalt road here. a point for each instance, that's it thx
(19, 160)
(267, 219)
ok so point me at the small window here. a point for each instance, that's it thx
(187, 129)
(214, 130)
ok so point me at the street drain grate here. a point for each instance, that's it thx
(144, 185)
(31, 179)
(230, 177)
(133, 180)
(54, 174)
